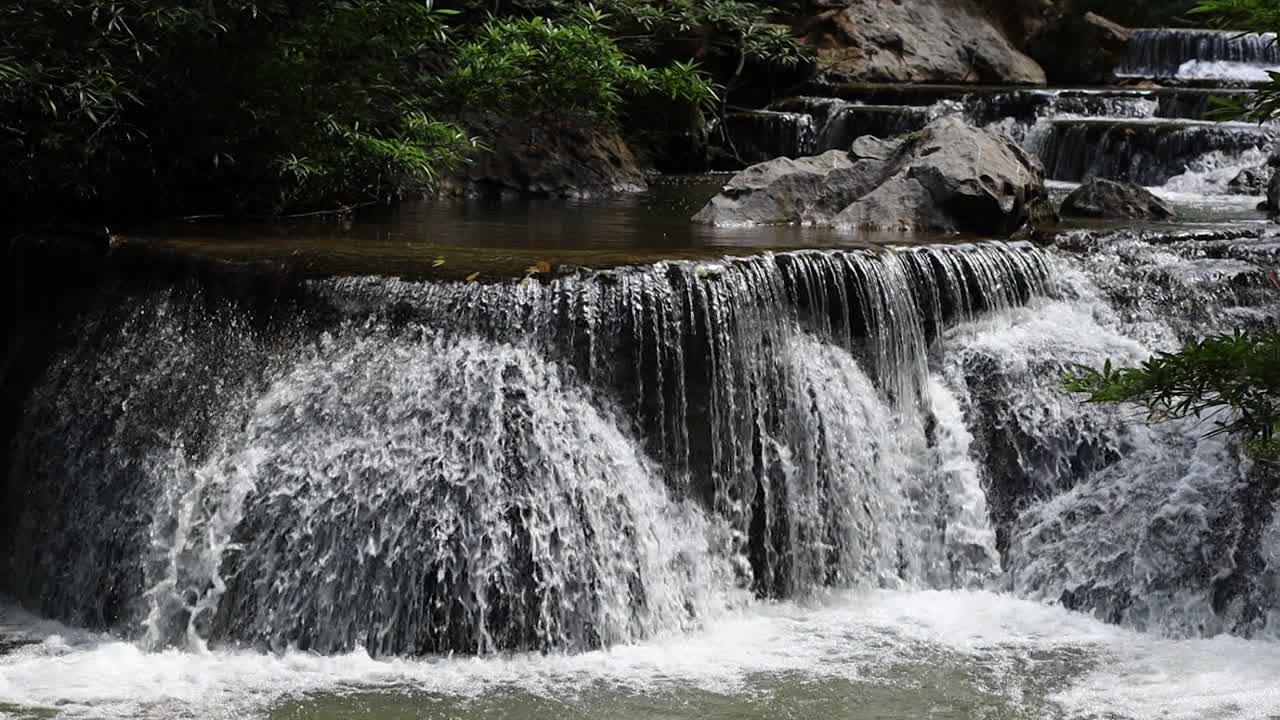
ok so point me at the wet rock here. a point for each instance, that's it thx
(1251, 181)
(564, 159)
(941, 41)
(808, 190)
(1102, 198)
(949, 177)
(1272, 203)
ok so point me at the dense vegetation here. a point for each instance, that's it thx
(269, 105)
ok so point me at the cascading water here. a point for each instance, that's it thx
(634, 456)
(759, 135)
(1144, 152)
(1201, 54)
(467, 467)
(1156, 528)
(1143, 136)
(804, 474)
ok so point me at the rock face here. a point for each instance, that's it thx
(567, 160)
(949, 177)
(1251, 181)
(1101, 198)
(1070, 44)
(939, 41)
(1272, 203)
(1081, 49)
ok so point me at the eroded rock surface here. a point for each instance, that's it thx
(950, 177)
(1102, 198)
(939, 41)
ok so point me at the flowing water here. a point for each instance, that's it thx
(737, 473)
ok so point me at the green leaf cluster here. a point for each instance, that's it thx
(562, 69)
(1232, 380)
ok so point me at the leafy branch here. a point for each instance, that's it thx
(1234, 379)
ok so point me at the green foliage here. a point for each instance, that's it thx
(1234, 379)
(736, 26)
(138, 105)
(254, 104)
(562, 69)
(648, 29)
(1243, 15)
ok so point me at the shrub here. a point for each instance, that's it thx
(534, 65)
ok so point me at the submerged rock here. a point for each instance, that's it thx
(941, 41)
(1102, 198)
(949, 177)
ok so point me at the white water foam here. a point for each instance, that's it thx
(1225, 70)
(1210, 173)
(866, 638)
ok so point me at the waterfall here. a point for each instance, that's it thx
(431, 467)
(760, 135)
(1144, 152)
(1209, 54)
(1159, 528)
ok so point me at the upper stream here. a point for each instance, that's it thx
(696, 472)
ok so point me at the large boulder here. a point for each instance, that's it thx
(922, 41)
(1071, 44)
(1079, 49)
(1272, 203)
(949, 177)
(565, 159)
(1102, 198)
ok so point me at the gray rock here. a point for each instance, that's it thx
(941, 41)
(871, 147)
(1272, 203)
(949, 177)
(1102, 198)
(807, 190)
(1251, 181)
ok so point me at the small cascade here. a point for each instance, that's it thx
(1149, 136)
(759, 135)
(838, 123)
(1144, 152)
(432, 467)
(809, 126)
(1201, 54)
(1159, 528)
